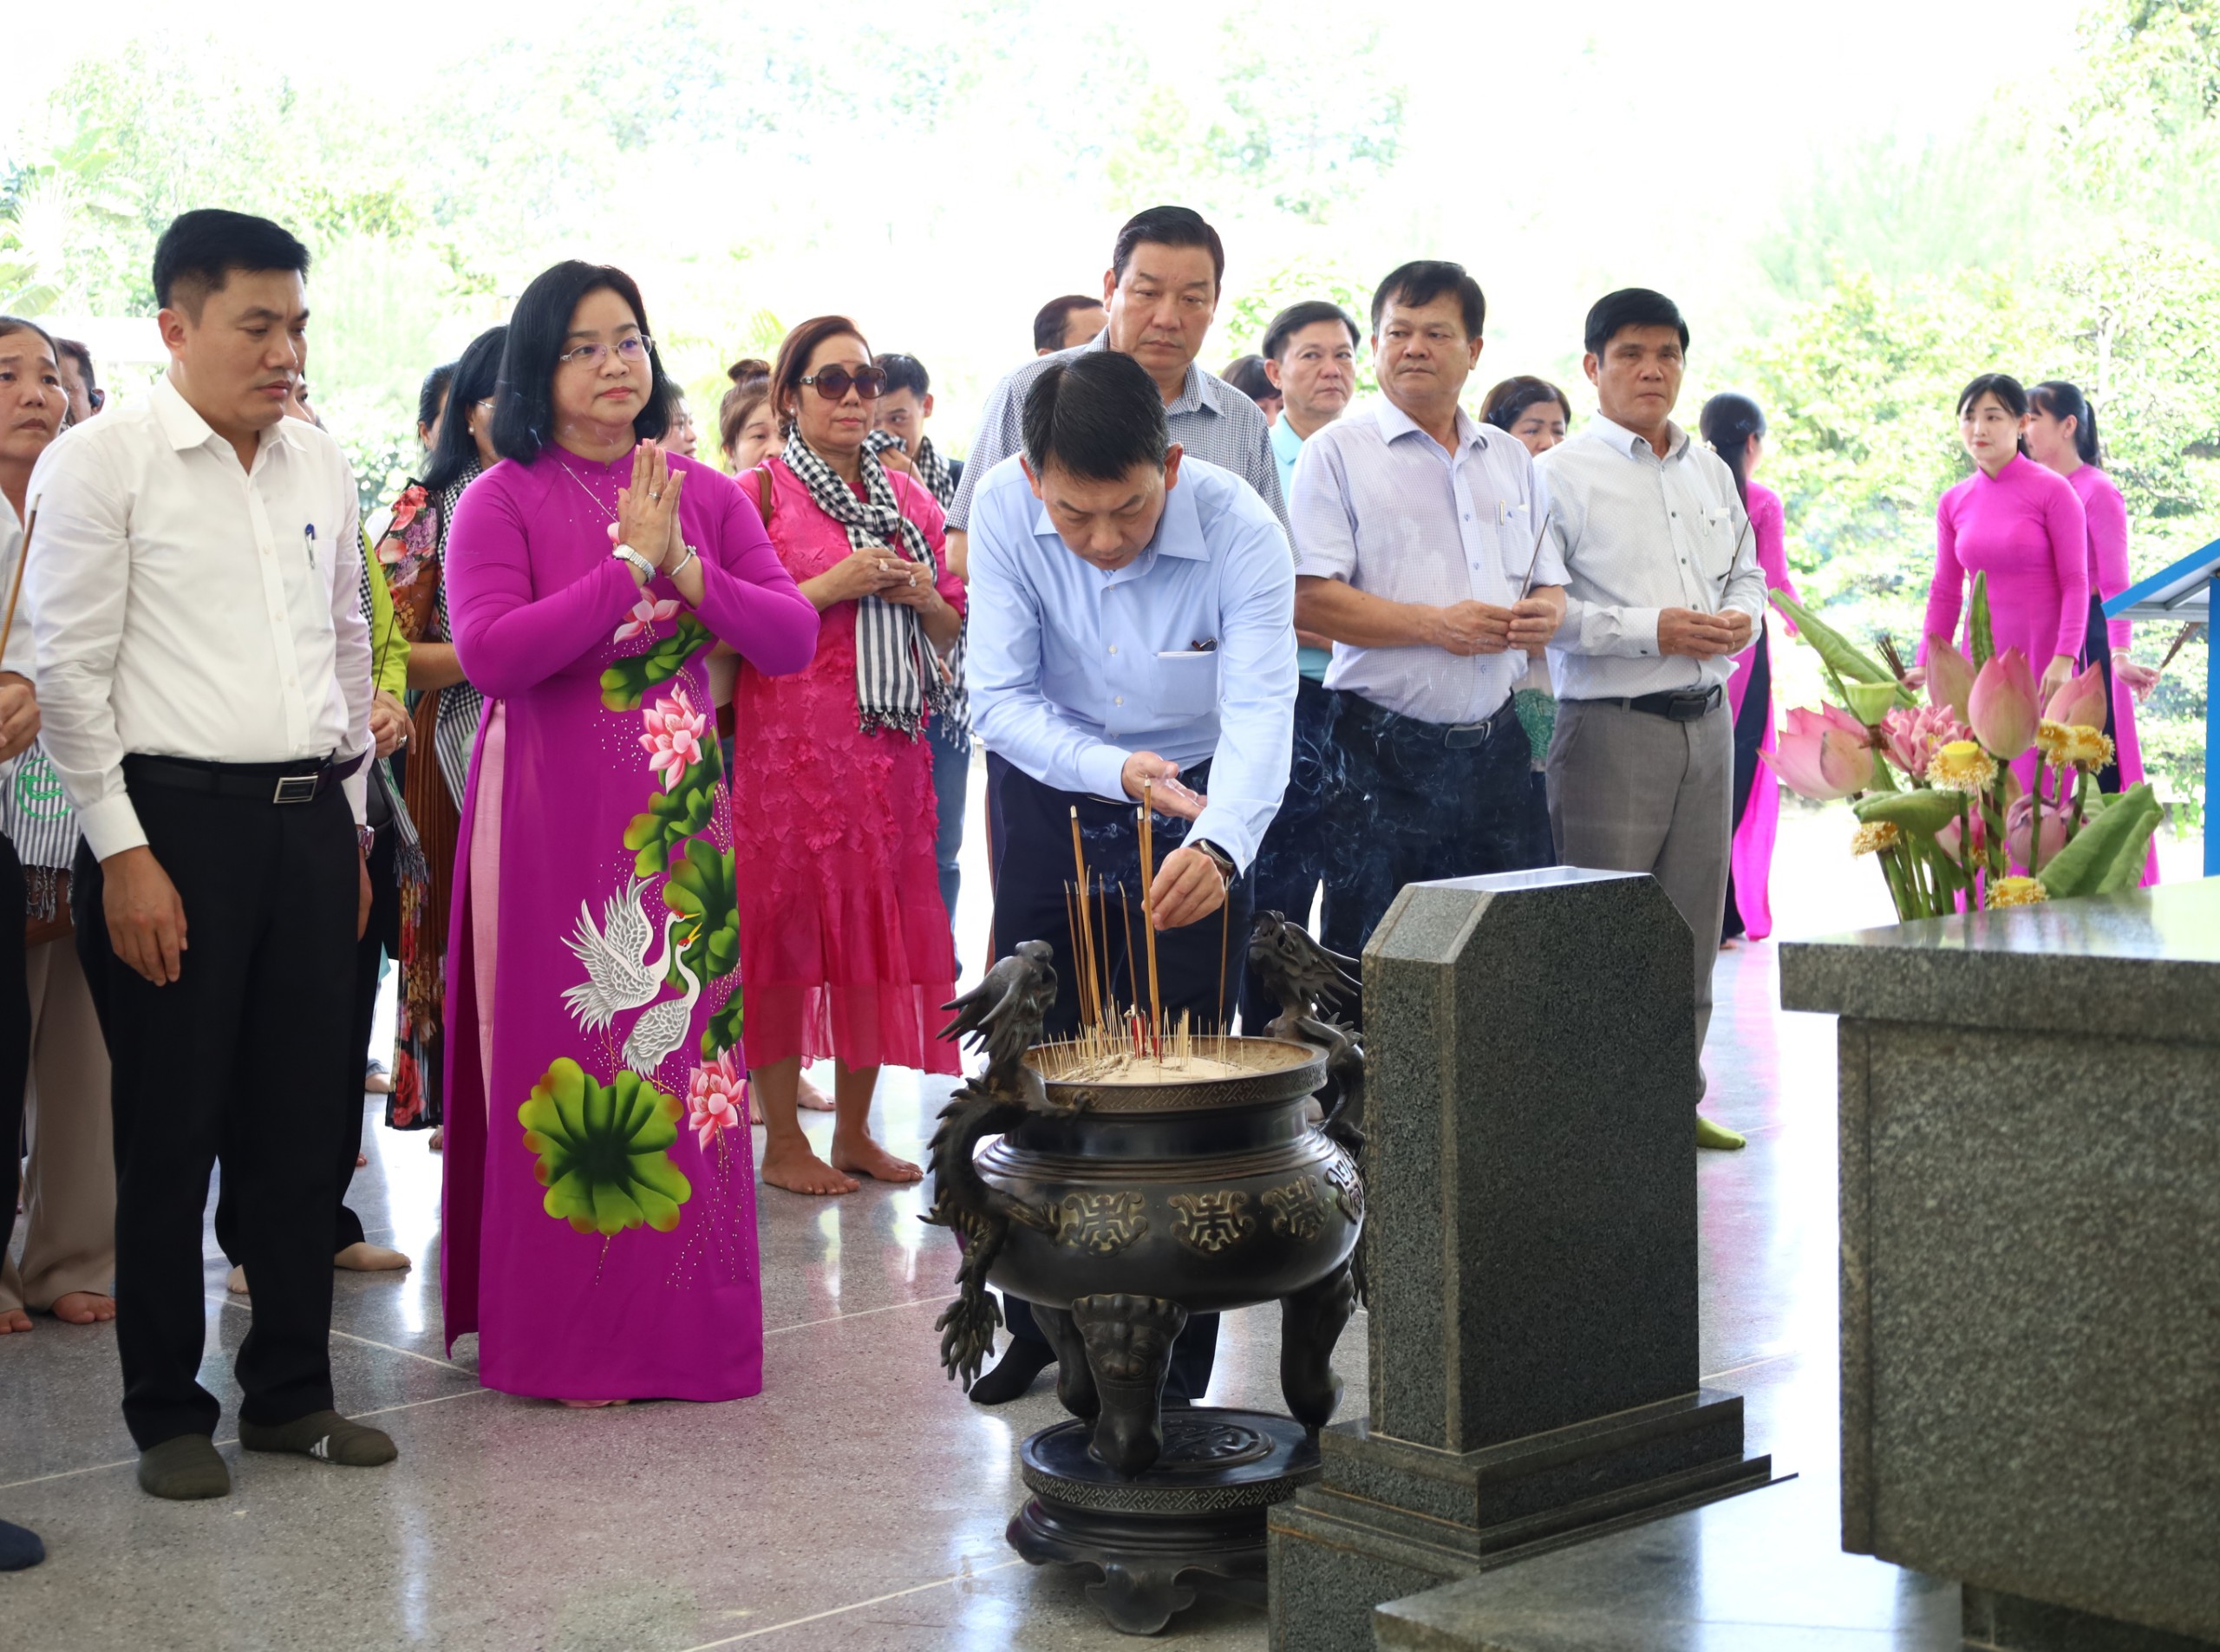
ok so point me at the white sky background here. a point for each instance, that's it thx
(1556, 149)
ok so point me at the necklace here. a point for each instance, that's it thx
(588, 491)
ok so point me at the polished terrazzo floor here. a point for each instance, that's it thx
(859, 1503)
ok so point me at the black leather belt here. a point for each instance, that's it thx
(1457, 737)
(301, 781)
(1678, 705)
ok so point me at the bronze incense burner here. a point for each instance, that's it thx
(1117, 1203)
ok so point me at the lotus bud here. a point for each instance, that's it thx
(1870, 701)
(2081, 701)
(1823, 755)
(1949, 679)
(2019, 829)
(2002, 707)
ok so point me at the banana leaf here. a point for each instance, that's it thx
(1842, 657)
(1921, 812)
(2107, 853)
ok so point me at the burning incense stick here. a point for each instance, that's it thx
(16, 586)
(1148, 908)
(1083, 939)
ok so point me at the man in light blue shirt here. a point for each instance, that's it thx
(1132, 627)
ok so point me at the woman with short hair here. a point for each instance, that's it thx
(845, 943)
(599, 1220)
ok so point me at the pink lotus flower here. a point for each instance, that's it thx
(2020, 828)
(1911, 736)
(646, 613)
(674, 737)
(2002, 707)
(1824, 755)
(1950, 678)
(1947, 839)
(2082, 700)
(717, 1098)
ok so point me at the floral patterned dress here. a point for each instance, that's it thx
(844, 944)
(599, 1202)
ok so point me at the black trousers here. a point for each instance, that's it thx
(1413, 801)
(1291, 862)
(1197, 968)
(2096, 650)
(241, 1059)
(382, 935)
(15, 1039)
(1749, 736)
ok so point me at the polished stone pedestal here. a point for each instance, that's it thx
(1531, 1250)
(2030, 1176)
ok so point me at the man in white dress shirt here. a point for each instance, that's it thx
(1662, 589)
(206, 671)
(1417, 531)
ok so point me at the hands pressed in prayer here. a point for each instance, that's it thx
(647, 510)
(1702, 637)
(860, 574)
(1473, 628)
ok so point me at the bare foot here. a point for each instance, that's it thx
(438, 1142)
(361, 1160)
(1730, 946)
(863, 1156)
(82, 1308)
(237, 1282)
(362, 1256)
(808, 1097)
(794, 1167)
(593, 1404)
(12, 1320)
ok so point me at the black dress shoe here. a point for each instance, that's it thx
(1022, 1361)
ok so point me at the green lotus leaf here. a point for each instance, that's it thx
(724, 1028)
(1922, 812)
(603, 1151)
(2109, 849)
(705, 888)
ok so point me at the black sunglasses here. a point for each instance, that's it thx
(835, 383)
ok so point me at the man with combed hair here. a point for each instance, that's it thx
(1132, 633)
(205, 670)
(1068, 323)
(1662, 589)
(1418, 532)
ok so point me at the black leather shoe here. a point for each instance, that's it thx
(1022, 1361)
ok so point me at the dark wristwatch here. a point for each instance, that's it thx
(366, 838)
(1219, 857)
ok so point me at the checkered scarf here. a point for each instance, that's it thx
(897, 674)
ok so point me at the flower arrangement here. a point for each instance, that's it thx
(1940, 806)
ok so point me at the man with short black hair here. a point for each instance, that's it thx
(901, 411)
(1310, 355)
(1131, 630)
(1417, 527)
(86, 396)
(1068, 323)
(1663, 591)
(206, 672)
(1161, 292)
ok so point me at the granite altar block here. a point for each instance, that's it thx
(1530, 1250)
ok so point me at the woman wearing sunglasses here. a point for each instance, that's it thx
(843, 942)
(599, 1227)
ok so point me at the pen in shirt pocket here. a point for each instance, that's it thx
(308, 541)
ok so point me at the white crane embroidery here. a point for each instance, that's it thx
(619, 976)
(662, 1027)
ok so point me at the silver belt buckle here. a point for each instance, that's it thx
(295, 788)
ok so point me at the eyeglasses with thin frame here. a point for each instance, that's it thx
(631, 350)
(835, 383)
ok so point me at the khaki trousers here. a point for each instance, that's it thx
(70, 1204)
(1633, 792)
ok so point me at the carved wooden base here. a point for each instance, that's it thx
(1194, 1520)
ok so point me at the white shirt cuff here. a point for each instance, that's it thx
(111, 825)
